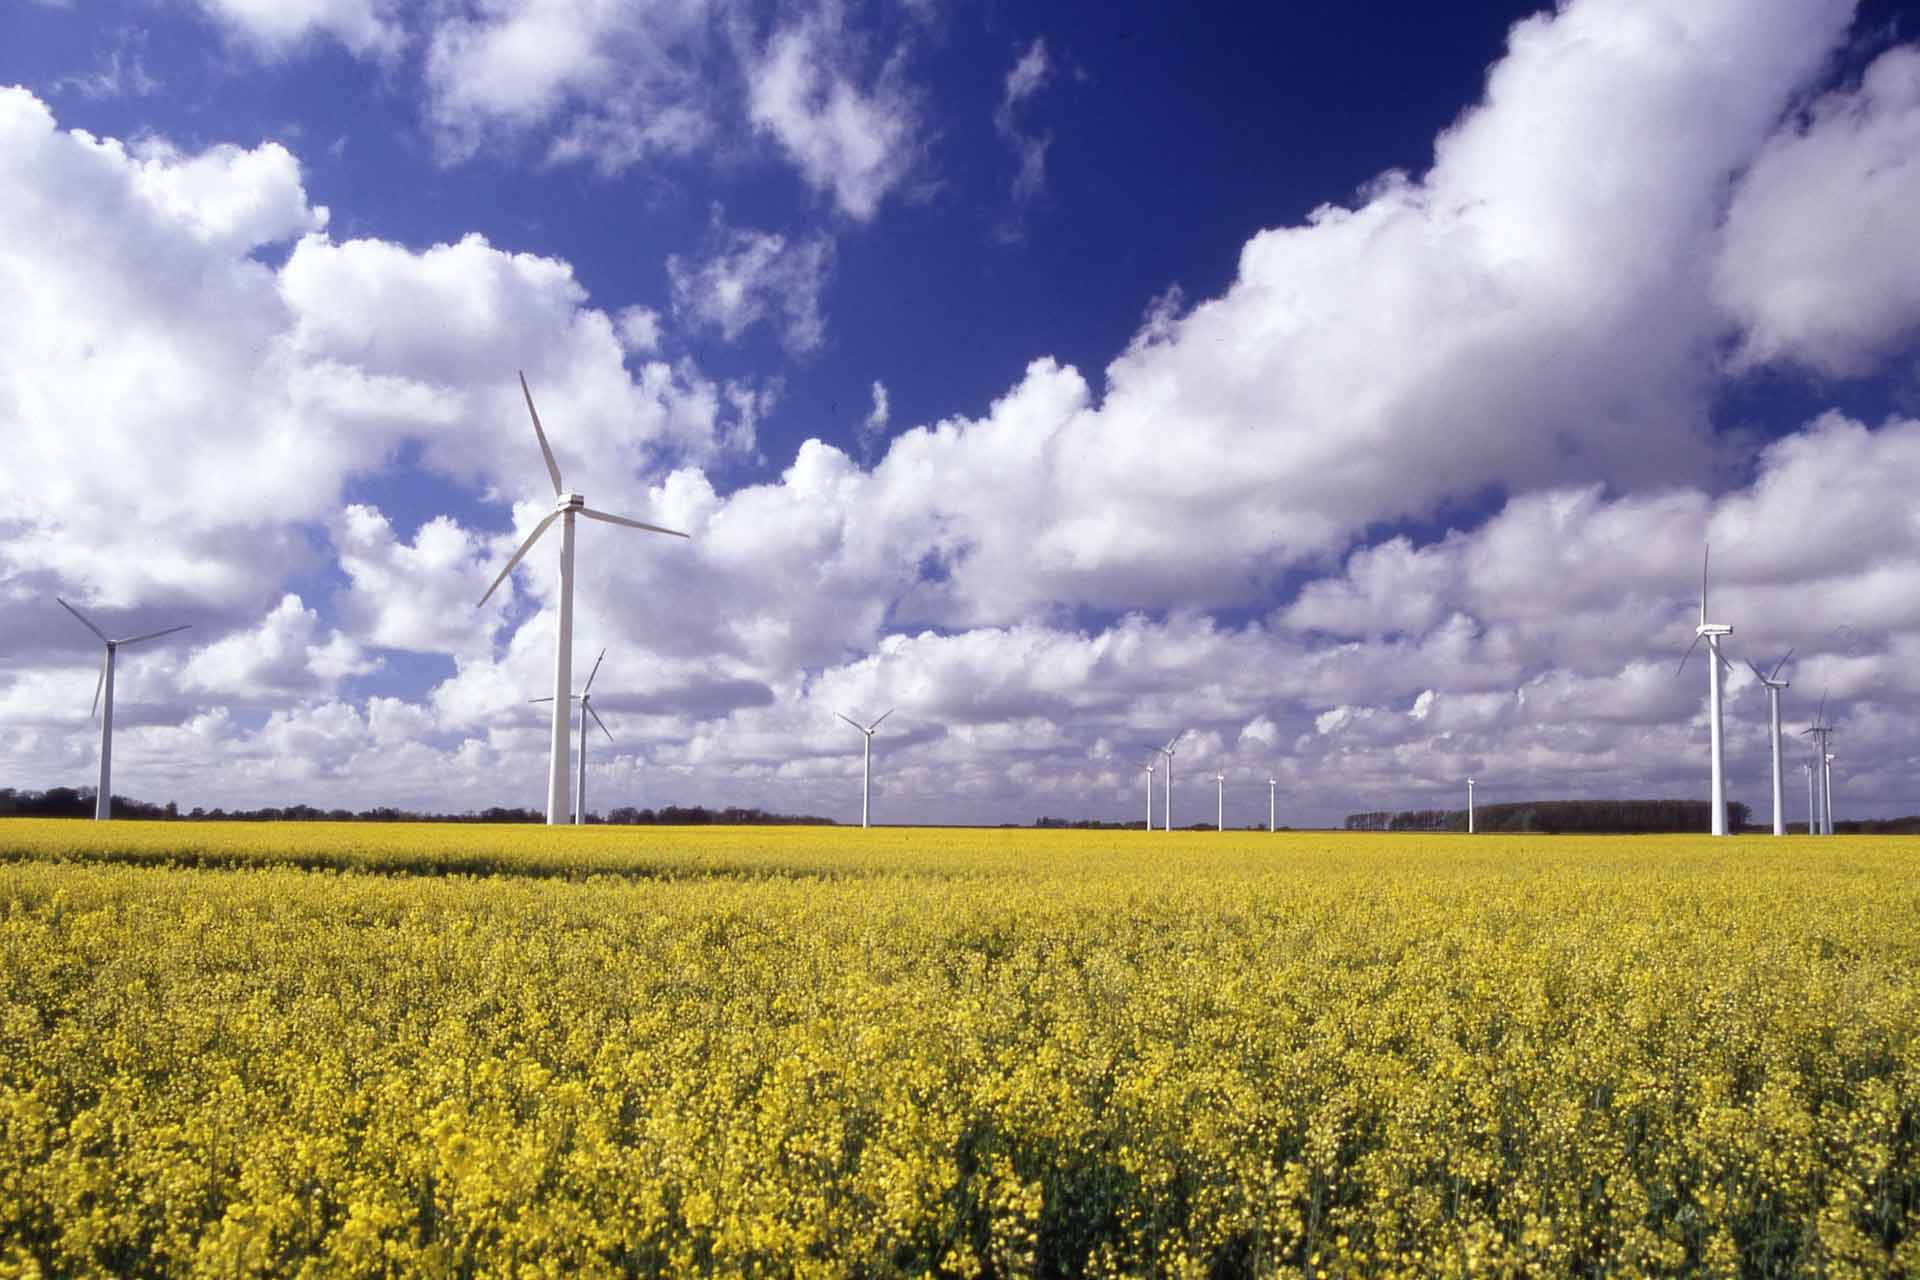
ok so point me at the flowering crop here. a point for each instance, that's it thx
(238, 1049)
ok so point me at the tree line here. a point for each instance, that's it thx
(77, 802)
(1613, 817)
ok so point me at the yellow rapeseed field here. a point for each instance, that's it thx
(367, 1050)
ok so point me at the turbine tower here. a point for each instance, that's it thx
(1273, 785)
(1813, 811)
(1167, 751)
(1151, 766)
(103, 802)
(1711, 632)
(1820, 731)
(566, 507)
(1220, 799)
(866, 761)
(1774, 685)
(585, 699)
(1469, 806)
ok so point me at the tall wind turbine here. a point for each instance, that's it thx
(1469, 806)
(866, 761)
(566, 507)
(1273, 785)
(585, 699)
(1151, 766)
(1711, 632)
(1820, 731)
(103, 802)
(1774, 685)
(1167, 751)
(1220, 799)
(1813, 810)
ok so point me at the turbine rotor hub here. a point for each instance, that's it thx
(571, 501)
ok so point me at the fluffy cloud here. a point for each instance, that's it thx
(277, 27)
(853, 137)
(1030, 74)
(742, 277)
(1817, 265)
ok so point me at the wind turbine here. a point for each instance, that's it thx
(1469, 806)
(1151, 766)
(1774, 686)
(1813, 812)
(1711, 633)
(585, 699)
(1827, 785)
(103, 802)
(1167, 751)
(1820, 731)
(566, 507)
(866, 761)
(1272, 791)
(1220, 797)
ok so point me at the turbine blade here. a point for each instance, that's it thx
(531, 539)
(855, 723)
(876, 723)
(1688, 654)
(1820, 717)
(154, 635)
(83, 621)
(533, 700)
(1754, 669)
(98, 685)
(553, 468)
(1168, 749)
(1780, 664)
(591, 514)
(591, 674)
(603, 724)
(1703, 584)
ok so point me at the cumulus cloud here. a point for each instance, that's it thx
(742, 277)
(1816, 265)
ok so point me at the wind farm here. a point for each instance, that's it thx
(1390, 407)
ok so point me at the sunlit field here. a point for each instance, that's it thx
(359, 1049)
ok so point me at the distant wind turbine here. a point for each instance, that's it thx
(1469, 806)
(1711, 632)
(1151, 766)
(866, 761)
(1167, 751)
(1273, 785)
(103, 689)
(566, 507)
(585, 699)
(1220, 799)
(1773, 686)
(1820, 731)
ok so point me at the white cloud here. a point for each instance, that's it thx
(853, 137)
(1030, 74)
(1818, 265)
(874, 425)
(278, 27)
(743, 277)
(287, 655)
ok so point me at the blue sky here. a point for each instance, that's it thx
(1355, 384)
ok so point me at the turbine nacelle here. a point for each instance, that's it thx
(570, 502)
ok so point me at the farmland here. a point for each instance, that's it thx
(350, 1049)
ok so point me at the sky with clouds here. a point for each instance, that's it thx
(1357, 390)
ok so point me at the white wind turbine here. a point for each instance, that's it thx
(866, 761)
(1773, 687)
(566, 507)
(1167, 751)
(1469, 806)
(1220, 801)
(1820, 731)
(1151, 766)
(1273, 785)
(1813, 812)
(1711, 632)
(103, 689)
(585, 699)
